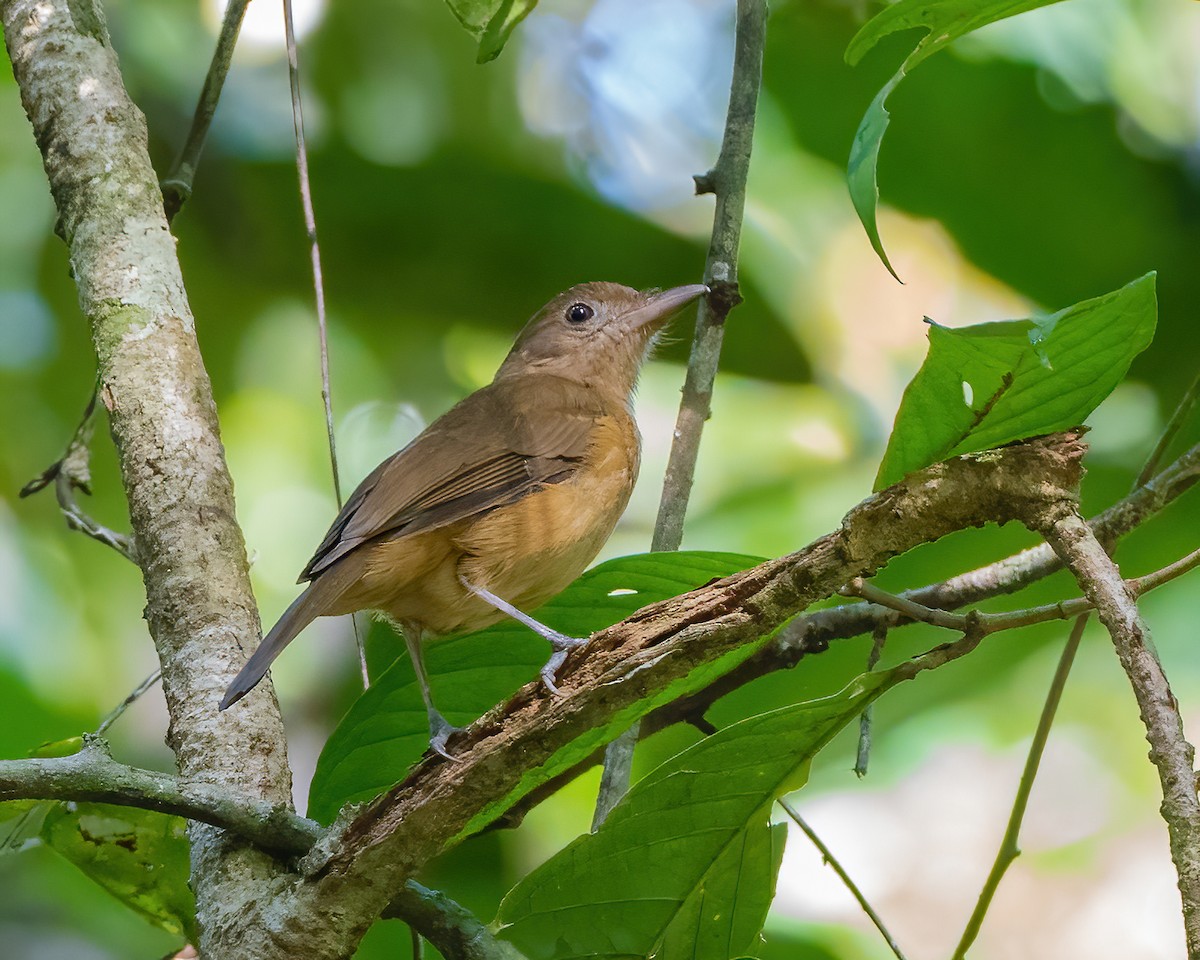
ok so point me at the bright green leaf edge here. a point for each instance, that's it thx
(943, 21)
(385, 731)
(1043, 374)
(491, 22)
(769, 754)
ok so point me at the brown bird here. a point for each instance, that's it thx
(503, 500)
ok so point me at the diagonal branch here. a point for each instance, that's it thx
(811, 633)
(663, 651)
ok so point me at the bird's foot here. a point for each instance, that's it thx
(441, 730)
(561, 644)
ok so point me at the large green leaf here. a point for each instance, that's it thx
(943, 21)
(385, 731)
(139, 856)
(491, 22)
(993, 383)
(687, 849)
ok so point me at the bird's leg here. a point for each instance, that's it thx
(440, 729)
(560, 643)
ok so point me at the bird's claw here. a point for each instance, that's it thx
(561, 644)
(441, 730)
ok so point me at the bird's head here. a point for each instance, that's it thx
(596, 333)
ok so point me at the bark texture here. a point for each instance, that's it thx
(199, 608)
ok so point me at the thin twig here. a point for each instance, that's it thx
(70, 473)
(124, 705)
(177, 185)
(1009, 851)
(727, 180)
(863, 753)
(14, 836)
(990, 623)
(829, 858)
(1170, 752)
(1174, 425)
(310, 225)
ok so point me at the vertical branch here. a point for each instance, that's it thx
(727, 180)
(1170, 752)
(199, 606)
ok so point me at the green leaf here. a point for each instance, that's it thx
(1023, 378)
(491, 22)
(386, 731)
(943, 21)
(139, 856)
(687, 848)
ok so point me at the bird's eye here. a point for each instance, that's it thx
(579, 312)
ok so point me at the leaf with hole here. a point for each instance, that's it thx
(139, 856)
(990, 384)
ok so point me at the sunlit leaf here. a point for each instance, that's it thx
(491, 22)
(993, 383)
(386, 731)
(139, 856)
(943, 21)
(684, 847)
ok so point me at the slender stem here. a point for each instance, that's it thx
(124, 705)
(1009, 851)
(310, 225)
(616, 775)
(829, 858)
(863, 753)
(177, 185)
(72, 472)
(727, 180)
(1011, 620)
(1174, 425)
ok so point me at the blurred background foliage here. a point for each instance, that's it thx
(1047, 159)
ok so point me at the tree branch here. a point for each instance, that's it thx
(660, 652)
(93, 775)
(1170, 752)
(811, 633)
(450, 927)
(727, 179)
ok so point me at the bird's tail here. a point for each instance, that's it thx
(312, 603)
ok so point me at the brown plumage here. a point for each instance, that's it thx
(511, 493)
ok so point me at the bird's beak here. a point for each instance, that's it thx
(659, 306)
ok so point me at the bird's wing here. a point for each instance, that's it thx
(496, 446)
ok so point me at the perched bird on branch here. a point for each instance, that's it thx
(503, 500)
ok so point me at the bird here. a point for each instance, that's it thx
(503, 500)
